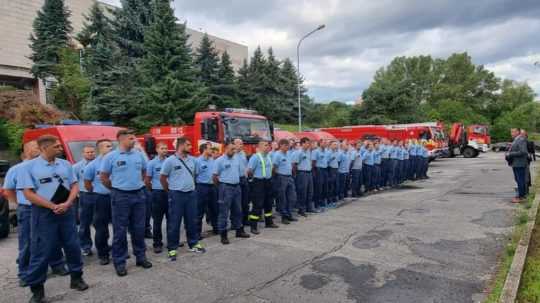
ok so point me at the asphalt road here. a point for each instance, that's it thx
(431, 241)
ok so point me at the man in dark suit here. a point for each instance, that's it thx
(517, 158)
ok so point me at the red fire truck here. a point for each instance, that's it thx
(468, 141)
(215, 128)
(315, 135)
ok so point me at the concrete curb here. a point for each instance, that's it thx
(511, 285)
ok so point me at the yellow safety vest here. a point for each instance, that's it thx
(263, 163)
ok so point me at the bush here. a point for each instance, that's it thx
(11, 136)
(526, 116)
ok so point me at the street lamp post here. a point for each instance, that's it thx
(298, 69)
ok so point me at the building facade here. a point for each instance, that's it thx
(16, 18)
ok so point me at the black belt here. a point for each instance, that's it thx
(282, 175)
(158, 189)
(94, 193)
(205, 184)
(129, 191)
(304, 171)
(229, 184)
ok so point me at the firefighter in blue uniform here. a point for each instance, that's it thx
(406, 162)
(177, 177)
(206, 190)
(377, 168)
(86, 204)
(226, 176)
(24, 212)
(344, 169)
(50, 185)
(241, 157)
(122, 171)
(369, 162)
(412, 159)
(320, 171)
(385, 162)
(283, 172)
(159, 197)
(100, 197)
(394, 164)
(332, 155)
(304, 179)
(425, 162)
(356, 170)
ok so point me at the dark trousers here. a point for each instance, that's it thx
(342, 187)
(420, 167)
(261, 190)
(385, 172)
(332, 185)
(286, 194)
(102, 218)
(393, 177)
(356, 182)
(321, 187)
(229, 205)
(50, 232)
(160, 210)
(24, 230)
(368, 177)
(128, 212)
(377, 173)
(182, 205)
(244, 187)
(412, 167)
(207, 205)
(519, 177)
(86, 216)
(304, 191)
(148, 201)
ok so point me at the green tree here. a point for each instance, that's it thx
(206, 63)
(51, 29)
(71, 92)
(244, 87)
(525, 116)
(513, 94)
(226, 88)
(169, 88)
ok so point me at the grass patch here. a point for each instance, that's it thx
(529, 288)
(521, 219)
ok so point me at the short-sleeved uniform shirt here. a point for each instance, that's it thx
(377, 156)
(179, 175)
(242, 162)
(153, 170)
(92, 173)
(45, 177)
(344, 161)
(356, 159)
(333, 158)
(261, 166)
(227, 169)
(394, 153)
(11, 180)
(302, 158)
(204, 168)
(320, 157)
(78, 170)
(282, 162)
(125, 169)
(368, 157)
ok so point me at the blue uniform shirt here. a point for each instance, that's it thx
(344, 161)
(394, 152)
(78, 170)
(412, 150)
(405, 154)
(282, 162)
(256, 166)
(424, 152)
(153, 170)
(242, 161)
(368, 157)
(303, 159)
(179, 176)
(320, 158)
(125, 169)
(227, 169)
(385, 151)
(45, 177)
(91, 173)
(332, 158)
(377, 156)
(204, 169)
(12, 179)
(357, 159)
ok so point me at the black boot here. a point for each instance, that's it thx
(254, 226)
(224, 238)
(77, 282)
(38, 293)
(269, 222)
(240, 233)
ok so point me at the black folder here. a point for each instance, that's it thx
(60, 195)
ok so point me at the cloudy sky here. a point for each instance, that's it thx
(338, 62)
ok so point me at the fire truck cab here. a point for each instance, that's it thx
(468, 141)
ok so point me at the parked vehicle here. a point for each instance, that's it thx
(468, 141)
(501, 146)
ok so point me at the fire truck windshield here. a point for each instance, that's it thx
(76, 147)
(438, 134)
(249, 130)
(479, 130)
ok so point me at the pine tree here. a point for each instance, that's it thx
(256, 78)
(226, 88)
(51, 34)
(100, 55)
(169, 89)
(244, 87)
(206, 63)
(271, 101)
(129, 24)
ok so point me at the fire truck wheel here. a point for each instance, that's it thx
(470, 152)
(4, 218)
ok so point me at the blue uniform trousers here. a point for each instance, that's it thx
(304, 190)
(229, 205)
(86, 217)
(244, 186)
(24, 227)
(207, 205)
(342, 187)
(182, 205)
(393, 177)
(148, 214)
(377, 168)
(50, 232)
(102, 218)
(385, 172)
(286, 194)
(368, 177)
(321, 187)
(128, 212)
(160, 210)
(356, 183)
(332, 185)
(412, 167)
